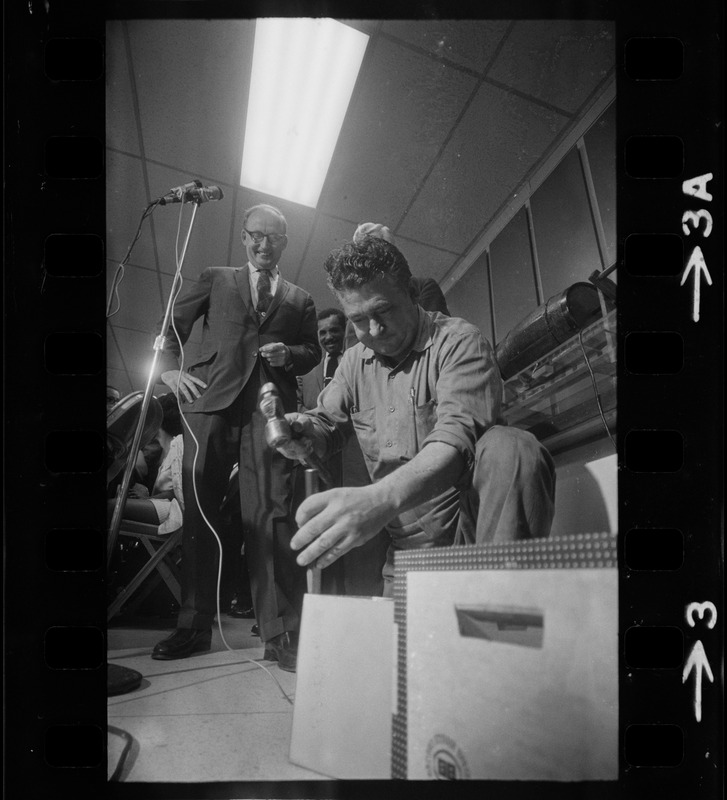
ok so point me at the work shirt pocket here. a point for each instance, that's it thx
(425, 418)
(364, 423)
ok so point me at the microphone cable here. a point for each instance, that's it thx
(177, 290)
(120, 269)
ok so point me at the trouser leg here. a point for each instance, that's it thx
(277, 583)
(200, 550)
(363, 567)
(513, 489)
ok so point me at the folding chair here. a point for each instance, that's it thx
(163, 557)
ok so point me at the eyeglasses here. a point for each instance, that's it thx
(258, 236)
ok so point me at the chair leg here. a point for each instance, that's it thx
(155, 562)
(170, 579)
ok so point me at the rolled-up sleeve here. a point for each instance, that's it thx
(468, 392)
(331, 417)
(448, 389)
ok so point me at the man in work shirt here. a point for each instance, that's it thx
(422, 392)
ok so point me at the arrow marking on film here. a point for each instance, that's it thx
(697, 661)
(696, 262)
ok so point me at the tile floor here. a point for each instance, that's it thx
(211, 717)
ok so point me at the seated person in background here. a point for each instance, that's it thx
(163, 506)
(147, 459)
(427, 292)
(359, 571)
(423, 393)
(113, 395)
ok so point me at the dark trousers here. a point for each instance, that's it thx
(277, 583)
(512, 496)
(513, 489)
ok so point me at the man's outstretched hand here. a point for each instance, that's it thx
(332, 523)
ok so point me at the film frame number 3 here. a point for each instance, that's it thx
(697, 661)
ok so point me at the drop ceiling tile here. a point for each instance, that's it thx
(114, 359)
(315, 284)
(192, 80)
(401, 116)
(126, 200)
(210, 234)
(121, 121)
(139, 300)
(501, 137)
(364, 25)
(470, 43)
(425, 261)
(558, 61)
(329, 233)
(135, 348)
(120, 380)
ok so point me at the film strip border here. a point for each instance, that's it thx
(670, 403)
(55, 656)
(670, 212)
(590, 551)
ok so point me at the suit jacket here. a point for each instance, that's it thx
(430, 295)
(232, 334)
(310, 386)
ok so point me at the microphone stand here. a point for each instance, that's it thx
(159, 344)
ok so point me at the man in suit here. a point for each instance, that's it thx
(359, 571)
(331, 329)
(427, 291)
(257, 327)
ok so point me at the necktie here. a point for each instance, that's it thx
(264, 297)
(330, 368)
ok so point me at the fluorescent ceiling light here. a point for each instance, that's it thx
(303, 73)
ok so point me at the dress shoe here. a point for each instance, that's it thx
(182, 643)
(239, 611)
(255, 630)
(282, 649)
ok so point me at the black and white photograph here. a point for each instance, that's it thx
(361, 306)
(411, 466)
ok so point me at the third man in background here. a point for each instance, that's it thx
(360, 571)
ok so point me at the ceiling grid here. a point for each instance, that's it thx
(447, 121)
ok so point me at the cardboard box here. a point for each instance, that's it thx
(345, 683)
(497, 663)
(508, 662)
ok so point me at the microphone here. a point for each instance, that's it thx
(205, 193)
(191, 192)
(179, 193)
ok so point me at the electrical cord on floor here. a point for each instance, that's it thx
(194, 479)
(128, 741)
(595, 389)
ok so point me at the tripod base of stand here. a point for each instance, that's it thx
(120, 680)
